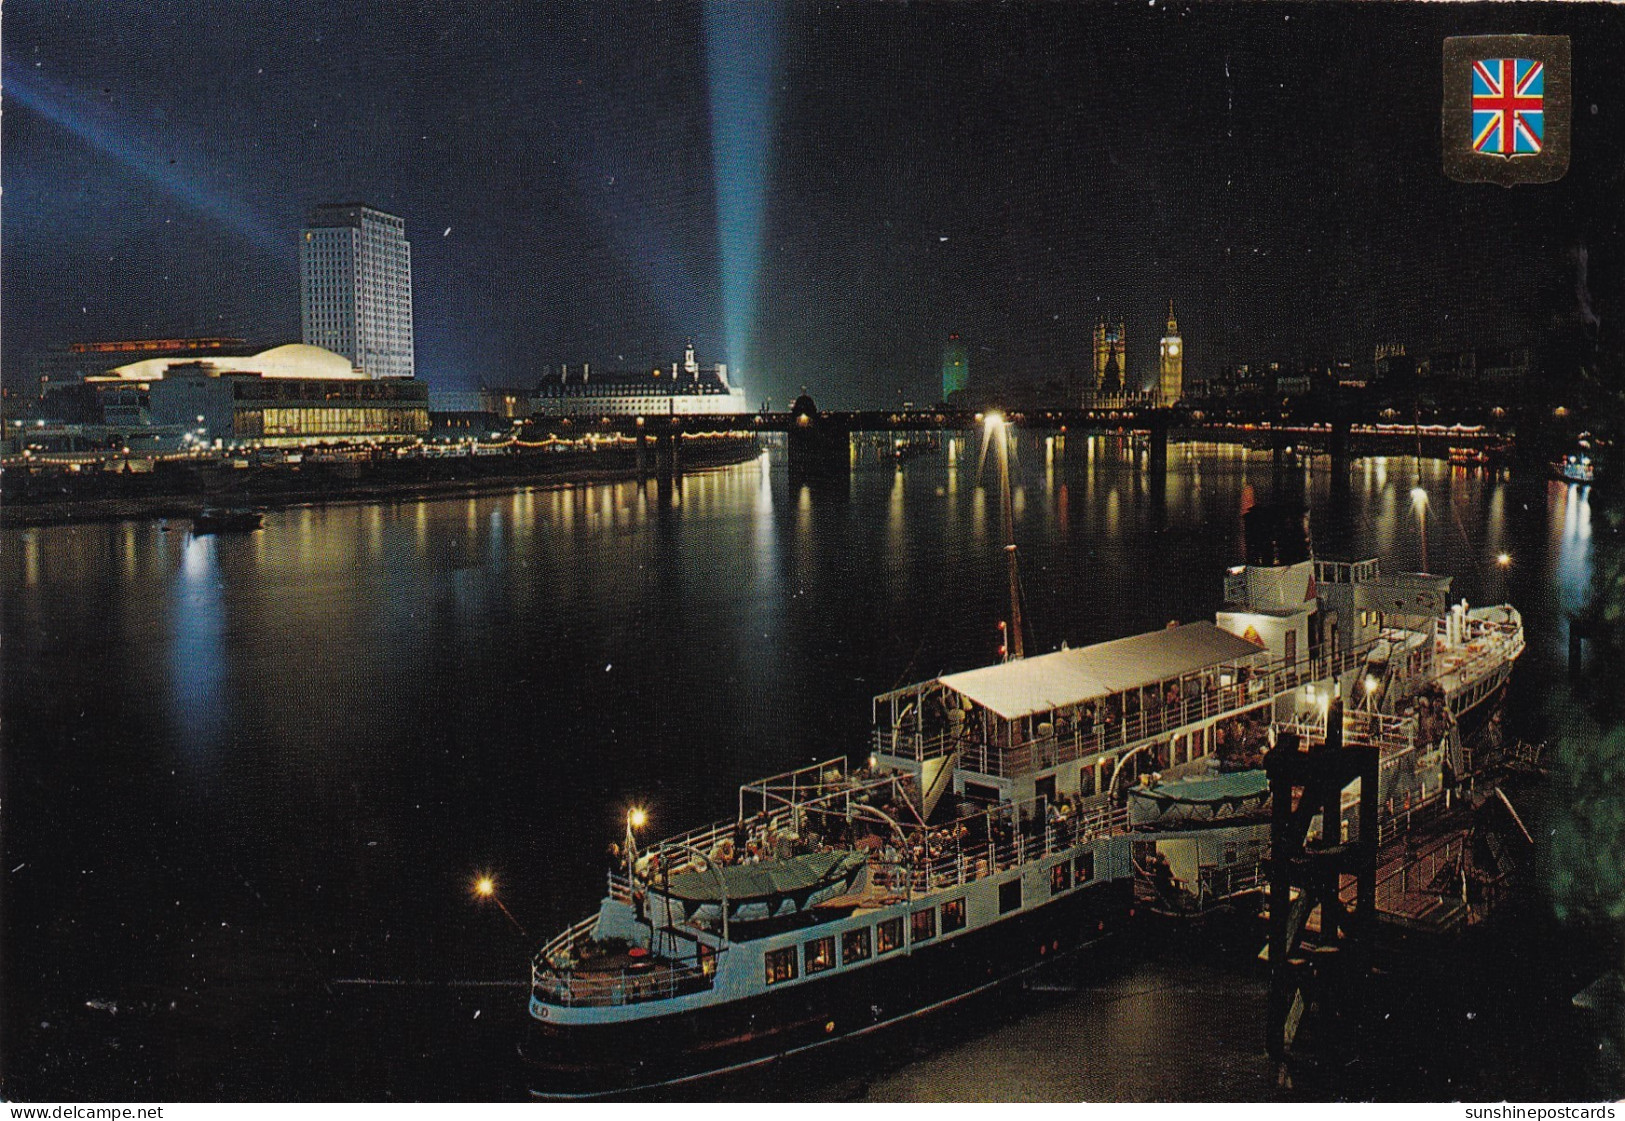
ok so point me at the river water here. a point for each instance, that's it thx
(250, 779)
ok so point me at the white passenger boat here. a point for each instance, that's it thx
(987, 832)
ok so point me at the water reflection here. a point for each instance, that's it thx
(1571, 525)
(197, 656)
(465, 678)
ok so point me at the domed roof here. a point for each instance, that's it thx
(301, 360)
(292, 360)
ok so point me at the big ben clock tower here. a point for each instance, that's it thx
(1171, 372)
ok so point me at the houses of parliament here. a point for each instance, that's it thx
(1112, 384)
(1108, 382)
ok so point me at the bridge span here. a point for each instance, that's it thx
(819, 442)
(869, 420)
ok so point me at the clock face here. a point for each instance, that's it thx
(1173, 350)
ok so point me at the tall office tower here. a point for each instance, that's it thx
(955, 369)
(1171, 373)
(355, 271)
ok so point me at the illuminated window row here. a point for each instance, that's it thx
(332, 422)
(818, 955)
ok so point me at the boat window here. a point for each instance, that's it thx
(1060, 877)
(925, 925)
(855, 945)
(820, 954)
(1083, 868)
(1010, 896)
(781, 965)
(953, 915)
(889, 935)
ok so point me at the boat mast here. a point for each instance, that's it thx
(996, 432)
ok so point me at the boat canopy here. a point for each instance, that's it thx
(1066, 678)
(1210, 790)
(797, 877)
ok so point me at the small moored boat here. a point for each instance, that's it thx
(226, 519)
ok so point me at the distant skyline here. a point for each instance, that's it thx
(595, 183)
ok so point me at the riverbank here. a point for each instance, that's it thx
(180, 489)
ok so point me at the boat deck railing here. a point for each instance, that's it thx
(917, 859)
(660, 980)
(1394, 820)
(985, 844)
(1390, 734)
(1213, 885)
(1218, 882)
(559, 976)
(1435, 870)
(1486, 646)
(1263, 685)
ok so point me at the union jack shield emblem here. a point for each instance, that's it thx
(1509, 98)
(1507, 105)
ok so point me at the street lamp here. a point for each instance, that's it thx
(485, 887)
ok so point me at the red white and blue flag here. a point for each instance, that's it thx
(1509, 96)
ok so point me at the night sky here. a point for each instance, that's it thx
(578, 182)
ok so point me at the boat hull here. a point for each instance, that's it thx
(582, 1061)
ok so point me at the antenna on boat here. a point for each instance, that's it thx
(995, 432)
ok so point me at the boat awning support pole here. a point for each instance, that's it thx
(710, 866)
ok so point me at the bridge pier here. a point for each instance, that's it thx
(819, 449)
(1157, 459)
(1159, 445)
(1279, 443)
(666, 456)
(1338, 444)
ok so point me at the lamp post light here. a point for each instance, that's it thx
(485, 887)
(635, 819)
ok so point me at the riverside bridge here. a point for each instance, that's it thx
(820, 442)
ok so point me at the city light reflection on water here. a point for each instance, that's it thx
(390, 694)
(197, 654)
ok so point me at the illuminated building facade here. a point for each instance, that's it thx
(1110, 366)
(955, 369)
(72, 363)
(355, 271)
(1171, 363)
(292, 394)
(685, 389)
